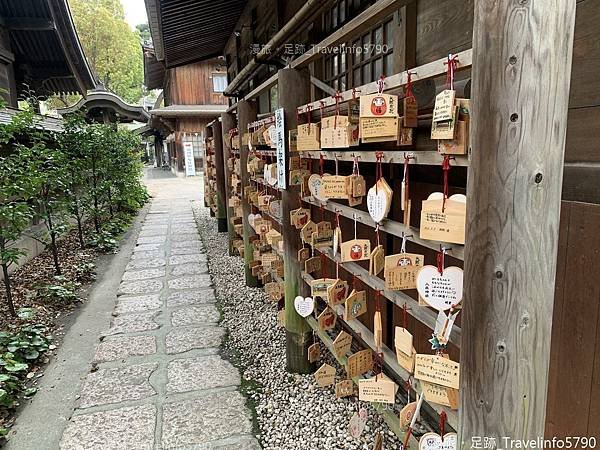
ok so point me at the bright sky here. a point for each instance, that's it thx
(135, 12)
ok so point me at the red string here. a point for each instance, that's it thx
(446, 169)
(323, 265)
(451, 64)
(378, 169)
(443, 418)
(321, 106)
(321, 164)
(409, 92)
(353, 281)
(354, 91)
(378, 300)
(440, 261)
(337, 98)
(308, 110)
(404, 321)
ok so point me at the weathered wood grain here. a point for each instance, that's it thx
(228, 123)
(294, 89)
(520, 85)
(221, 213)
(246, 114)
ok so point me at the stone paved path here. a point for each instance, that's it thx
(158, 380)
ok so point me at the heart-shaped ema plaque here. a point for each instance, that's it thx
(315, 182)
(440, 291)
(433, 441)
(378, 203)
(252, 218)
(304, 305)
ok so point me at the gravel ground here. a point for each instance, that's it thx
(292, 411)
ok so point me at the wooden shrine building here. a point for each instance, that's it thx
(522, 77)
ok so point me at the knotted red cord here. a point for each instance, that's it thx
(380, 84)
(409, 93)
(446, 169)
(451, 64)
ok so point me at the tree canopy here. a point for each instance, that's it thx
(112, 48)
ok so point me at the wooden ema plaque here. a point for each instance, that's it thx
(318, 287)
(377, 389)
(334, 187)
(293, 140)
(445, 130)
(356, 305)
(460, 143)
(374, 129)
(314, 353)
(433, 441)
(400, 271)
(356, 250)
(342, 344)
(438, 370)
(307, 231)
(441, 291)
(298, 176)
(406, 361)
(337, 292)
(338, 132)
(327, 319)
(377, 260)
(299, 217)
(312, 265)
(325, 376)
(378, 105)
(446, 226)
(403, 340)
(410, 111)
(322, 238)
(443, 110)
(344, 388)
(441, 395)
(308, 137)
(359, 363)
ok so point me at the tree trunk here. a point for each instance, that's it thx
(53, 247)
(95, 196)
(9, 298)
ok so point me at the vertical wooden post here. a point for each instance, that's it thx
(228, 123)
(521, 75)
(206, 178)
(221, 214)
(246, 114)
(294, 90)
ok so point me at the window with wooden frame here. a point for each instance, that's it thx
(363, 60)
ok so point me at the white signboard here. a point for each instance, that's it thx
(190, 166)
(280, 141)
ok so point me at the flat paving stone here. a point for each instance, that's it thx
(184, 259)
(208, 418)
(194, 243)
(144, 274)
(150, 254)
(130, 428)
(152, 240)
(200, 373)
(140, 287)
(138, 303)
(190, 282)
(178, 237)
(120, 347)
(148, 247)
(194, 315)
(186, 298)
(133, 323)
(149, 232)
(190, 250)
(184, 339)
(115, 385)
(146, 263)
(190, 269)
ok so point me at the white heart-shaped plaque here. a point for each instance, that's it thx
(304, 305)
(433, 441)
(440, 291)
(377, 204)
(251, 218)
(314, 185)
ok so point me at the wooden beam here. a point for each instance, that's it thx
(518, 129)
(424, 72)
(29, 23)
(246, 114)
(294, 89)
(322, 85)
(228, 123)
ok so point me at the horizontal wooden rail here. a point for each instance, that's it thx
(424, 72)
(388, 226)
(426, 158)
(390, 363)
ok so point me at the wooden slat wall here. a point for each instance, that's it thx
(574, 384)
(192, 84)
